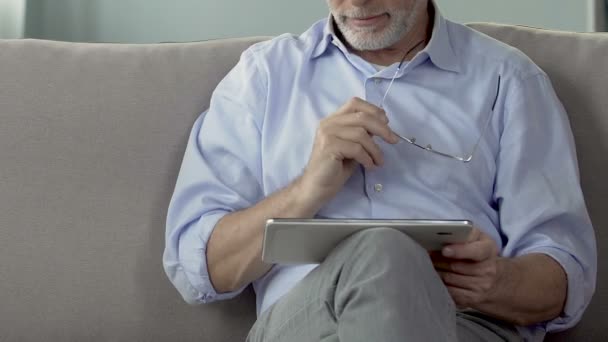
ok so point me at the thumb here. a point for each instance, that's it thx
(474, 235)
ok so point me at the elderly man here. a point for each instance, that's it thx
(321, 125)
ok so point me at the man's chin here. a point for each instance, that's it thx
(366, 47)
(365, 42)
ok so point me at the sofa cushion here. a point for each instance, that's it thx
(91, 140)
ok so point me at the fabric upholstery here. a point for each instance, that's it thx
(91, 139)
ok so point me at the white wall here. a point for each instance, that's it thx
(198, 19)
(11, 18)
(144, 21)
(571, 15)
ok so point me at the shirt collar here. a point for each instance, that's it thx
(329, 36)
(439, 49)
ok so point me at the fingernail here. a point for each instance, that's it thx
(448, 252)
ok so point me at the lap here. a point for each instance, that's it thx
(309, 311)
(313, 321)
(474, 326)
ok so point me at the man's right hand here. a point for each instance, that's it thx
(343, 140)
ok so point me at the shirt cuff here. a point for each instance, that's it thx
(192, 270)
(576, 300)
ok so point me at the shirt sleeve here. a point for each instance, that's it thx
(541, 204)
(220, 173)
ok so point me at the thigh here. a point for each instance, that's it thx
(303, 314)
(473, 326)
(389, 289)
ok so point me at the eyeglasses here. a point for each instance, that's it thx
(463, 158)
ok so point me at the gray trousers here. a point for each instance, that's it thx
(376, 286)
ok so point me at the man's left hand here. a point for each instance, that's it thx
(471, 271)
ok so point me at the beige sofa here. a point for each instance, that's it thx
(91, 139)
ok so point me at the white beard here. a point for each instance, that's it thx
(367, 39)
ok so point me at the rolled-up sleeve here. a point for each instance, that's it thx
(541, 204)
(220, 173)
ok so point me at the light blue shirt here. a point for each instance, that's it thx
(522, 186)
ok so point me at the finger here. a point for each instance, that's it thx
(458, 280)
(344, 149)
(357, 104)
(480, 246)
(372, 124)
(475, 251)
(360, 136)
(462, 298)
(474, 235)
(478, 269)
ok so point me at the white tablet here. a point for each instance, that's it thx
(309, 241)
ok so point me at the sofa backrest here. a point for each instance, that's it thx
(91, 140)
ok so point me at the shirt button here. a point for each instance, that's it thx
(378, 187)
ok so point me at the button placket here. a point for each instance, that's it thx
(374, 90)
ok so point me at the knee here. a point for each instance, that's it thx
(387, 238)
(387, 243)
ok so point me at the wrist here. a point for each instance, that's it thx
(506, 286)
(305, 197)
(505, 282)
